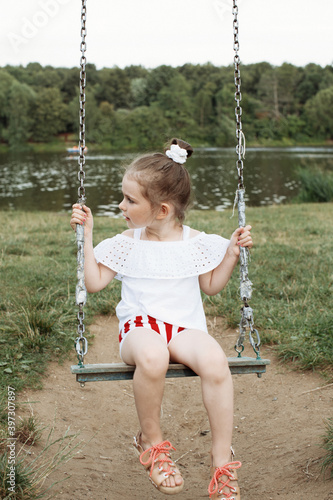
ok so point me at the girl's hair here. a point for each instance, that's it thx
(163, 180)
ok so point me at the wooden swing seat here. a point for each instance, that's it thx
(121, 371)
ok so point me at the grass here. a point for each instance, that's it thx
(30, 474)
(315, 186)
(327, 461)
(291, 268)
(37, 303)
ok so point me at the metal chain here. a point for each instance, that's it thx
(82, 140)
(81, 343)
(240, 148)
(245, 284)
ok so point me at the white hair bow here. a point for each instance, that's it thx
(177, 154)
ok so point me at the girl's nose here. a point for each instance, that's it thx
(121, 205)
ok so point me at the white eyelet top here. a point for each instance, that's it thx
(161, 279)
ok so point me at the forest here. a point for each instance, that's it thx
(134, 107)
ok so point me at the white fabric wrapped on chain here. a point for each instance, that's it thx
(177, 154)
(165, 260)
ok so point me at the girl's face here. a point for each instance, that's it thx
(136, 209)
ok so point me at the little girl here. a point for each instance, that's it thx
(163, 265)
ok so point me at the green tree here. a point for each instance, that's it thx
(139, 92)
(133, 72)
(224, 132)
(107, 122)
(113, 87)
(21, 99)
(47, 77)
(225, 101)
(203, 104)
(310, 79)
(327, 79)
(157, 79)
(50, 114)
(69, 84)
(142, 128)
(251, 75)
(317, 111)
(175, 102)
(18, 72)
(6, 81)
(268, 93)
(198, 75)
(30, 73)
(288, 77)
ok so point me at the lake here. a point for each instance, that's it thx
(49, 181)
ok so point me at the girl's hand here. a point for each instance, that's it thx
(82, 215)
(240, 238)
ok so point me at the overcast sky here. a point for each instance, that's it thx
(173, 32)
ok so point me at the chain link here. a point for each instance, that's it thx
(245, 284)
(81, 343)
(240, 148)
(82, 136)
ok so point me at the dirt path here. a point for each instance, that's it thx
(277, 435)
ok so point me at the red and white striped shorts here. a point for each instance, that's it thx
(166, 330)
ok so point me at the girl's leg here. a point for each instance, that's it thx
(203, 354)
(148, 351)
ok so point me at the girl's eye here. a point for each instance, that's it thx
(129, 200)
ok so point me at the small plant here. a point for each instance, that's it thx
(327, 461)
(39, 320)
(28, 430)
(36, 317)
(30, 474)
(316, 186)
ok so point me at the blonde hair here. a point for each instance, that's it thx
(164, 180)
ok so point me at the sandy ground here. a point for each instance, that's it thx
(279, 425)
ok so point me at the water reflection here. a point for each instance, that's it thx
(50, 182)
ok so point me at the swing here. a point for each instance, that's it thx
(120, 371)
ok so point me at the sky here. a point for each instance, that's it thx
(172, 32)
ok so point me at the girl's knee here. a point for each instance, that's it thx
(154, 360)
(215, 367)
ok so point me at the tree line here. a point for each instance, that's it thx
(134, 107)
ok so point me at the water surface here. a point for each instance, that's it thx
(50, 182)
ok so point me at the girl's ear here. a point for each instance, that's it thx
(164, 211)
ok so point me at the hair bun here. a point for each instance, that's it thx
(182, 144)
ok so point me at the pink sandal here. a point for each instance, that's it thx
(159, 454)
(223, 485)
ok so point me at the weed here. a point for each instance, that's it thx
(28, 430)
(36, 317)
(30, 474)
(316, 186)
(327, 461)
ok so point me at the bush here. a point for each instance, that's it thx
(316, 186)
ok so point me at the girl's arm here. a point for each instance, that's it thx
(97, 276)
(214, 281)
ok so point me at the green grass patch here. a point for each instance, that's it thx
(315, 186)
(291, 269)
(37, 303)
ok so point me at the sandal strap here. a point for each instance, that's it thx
(225, 470)
(154, 452)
